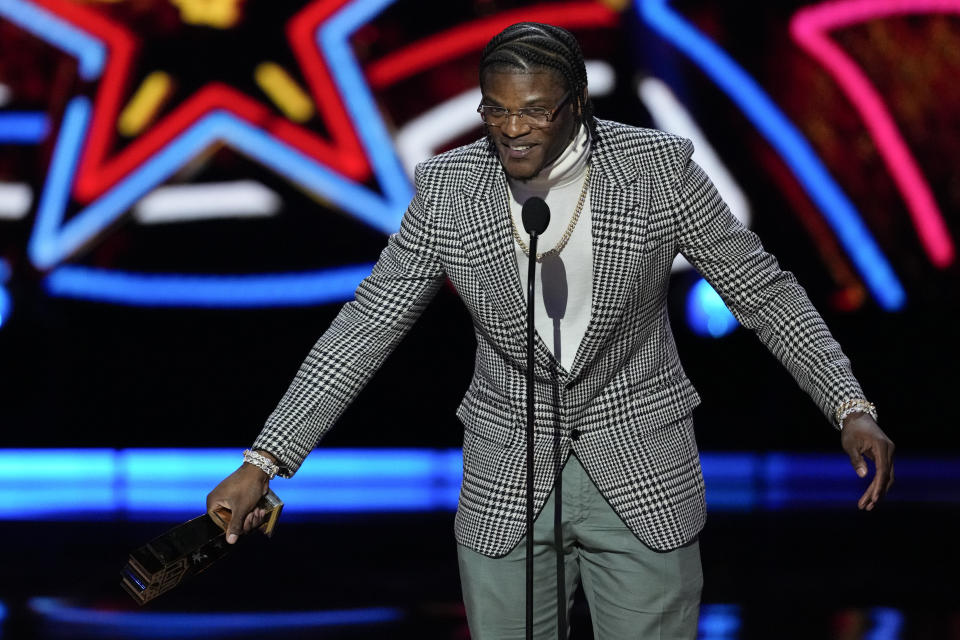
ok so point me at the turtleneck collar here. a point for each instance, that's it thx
(568, 167)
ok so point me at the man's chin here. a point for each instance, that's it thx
(519, 170)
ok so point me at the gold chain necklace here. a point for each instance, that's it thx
(566, 234)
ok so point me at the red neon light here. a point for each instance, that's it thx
(300, 32)
(97, 171)
(474, 35)
(809, 28)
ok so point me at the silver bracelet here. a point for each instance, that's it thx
(856, 405)
(261, 462)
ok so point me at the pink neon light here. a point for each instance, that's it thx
(809, 27)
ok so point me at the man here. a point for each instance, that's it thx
(610, 389)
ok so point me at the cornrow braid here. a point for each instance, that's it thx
(532, 45)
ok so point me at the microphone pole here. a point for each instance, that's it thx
(536, 217)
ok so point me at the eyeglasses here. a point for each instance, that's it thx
(536, 117)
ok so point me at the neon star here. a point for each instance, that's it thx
(217, 113)
(319, 35)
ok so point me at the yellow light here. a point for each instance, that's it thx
(616, 5)
(221, 14)
(145, 103)
(284, 91)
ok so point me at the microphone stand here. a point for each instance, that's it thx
(531, 287)
(536, 217)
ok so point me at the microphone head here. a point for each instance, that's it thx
(536, 215)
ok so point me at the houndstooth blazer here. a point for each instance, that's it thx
(624, 406)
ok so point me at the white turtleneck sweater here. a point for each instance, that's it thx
(564, 281)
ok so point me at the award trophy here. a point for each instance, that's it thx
(186, 550)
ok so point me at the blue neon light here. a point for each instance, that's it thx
(22, 501)
(707, 315)
(324, 466)
(774, 125)
(23, 127)
(733, 481)
(385, 465)
(52, 240)
(719, 622)
(777, 481)
(333, 39)
(89, 51)
(171, 481)
(250, 290)
(6, 302)
(56, 192)
(61, 466)
(887, 624)
(150, 624)
(160, 467)
(168, 484)
(57, 483)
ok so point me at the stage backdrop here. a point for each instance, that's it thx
(190, 189)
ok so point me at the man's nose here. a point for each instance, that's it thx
(514, 126)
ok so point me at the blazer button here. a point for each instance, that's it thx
(575, 434)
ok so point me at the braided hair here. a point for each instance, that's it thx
(529, 46)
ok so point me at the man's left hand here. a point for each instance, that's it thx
(862, 437)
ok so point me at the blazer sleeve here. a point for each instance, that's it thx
(761, 296)
(367, 329)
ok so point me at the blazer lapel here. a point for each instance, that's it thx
(483, 218)
(619, 206)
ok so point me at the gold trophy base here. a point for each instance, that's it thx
(186, 550)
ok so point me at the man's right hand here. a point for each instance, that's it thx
(239, 493)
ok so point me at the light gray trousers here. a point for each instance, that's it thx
(633, 592)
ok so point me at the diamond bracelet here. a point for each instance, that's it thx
(261, 462)
(857, 405)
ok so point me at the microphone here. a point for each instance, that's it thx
(536, 215)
